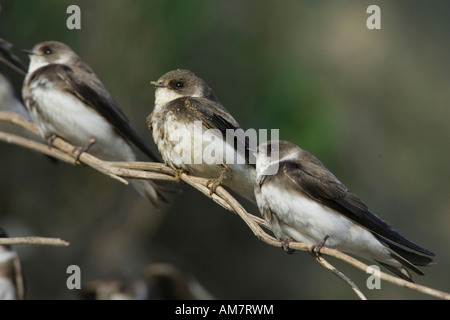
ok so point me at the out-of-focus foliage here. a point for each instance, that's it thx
(373, 105)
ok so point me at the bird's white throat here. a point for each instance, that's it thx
(38, 61)
(165, 95)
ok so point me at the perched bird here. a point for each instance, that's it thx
(11, 279)
(303, 201)
(188, 122)
(66, 99)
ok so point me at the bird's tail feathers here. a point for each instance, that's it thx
(409, 260)
(402, 272)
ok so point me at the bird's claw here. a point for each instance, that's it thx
(49, 140)
(213, 184)
(285, 246)
(315, 250)
(79, 150)
(178, 173)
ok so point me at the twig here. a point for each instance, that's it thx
(36, 146)
(341, 276)
(20, 286)
(156, 171)
(387, 277)
(34, 241)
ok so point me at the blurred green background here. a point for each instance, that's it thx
(373, 105)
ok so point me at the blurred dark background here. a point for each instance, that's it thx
(373, 105)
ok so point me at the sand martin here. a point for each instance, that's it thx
(188, 120)
(65, 98)
(11, 279)
(305, 202)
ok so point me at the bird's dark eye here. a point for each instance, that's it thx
(176, 83)
(48, 51)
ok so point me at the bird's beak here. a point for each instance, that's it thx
(157, 84)
(29, 52)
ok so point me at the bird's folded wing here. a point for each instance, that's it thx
(97, 97)
(313, 179)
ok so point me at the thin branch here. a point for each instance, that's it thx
(341, 276)
(42, 241)
(64, 151)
